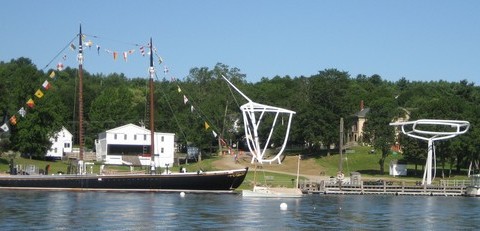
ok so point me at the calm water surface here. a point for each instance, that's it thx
(38, 210)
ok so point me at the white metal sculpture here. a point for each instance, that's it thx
(253, 115)
(444, 129)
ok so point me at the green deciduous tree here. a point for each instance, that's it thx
(377, 129)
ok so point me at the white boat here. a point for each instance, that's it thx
(260, 191)
(474, 189)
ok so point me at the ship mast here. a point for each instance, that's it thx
(151, 70)
(80, 93)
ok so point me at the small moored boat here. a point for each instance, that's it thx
(473, 189)
(260, 191)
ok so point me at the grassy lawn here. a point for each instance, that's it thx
(362, 161)
(55, 166)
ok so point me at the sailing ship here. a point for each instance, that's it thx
(209, 181)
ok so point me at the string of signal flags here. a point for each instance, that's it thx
(88, 42)
(62, 58)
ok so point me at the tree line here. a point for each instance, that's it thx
(320, 100)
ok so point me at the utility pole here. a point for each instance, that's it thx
(340, 167)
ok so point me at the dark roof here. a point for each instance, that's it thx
(362, 113)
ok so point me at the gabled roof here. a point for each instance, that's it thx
(132, 129)
(128, 128)
(65, 130)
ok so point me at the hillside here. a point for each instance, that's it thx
(316, 167)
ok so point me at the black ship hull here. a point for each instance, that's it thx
(212, 181)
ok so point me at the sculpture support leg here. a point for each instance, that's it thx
(427, 175)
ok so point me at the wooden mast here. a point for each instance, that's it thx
(152, 127)
(80, 93)
(340, 146)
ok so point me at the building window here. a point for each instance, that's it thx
(56, 139)
(161, 150)
(125, 136)
(145, 137)
(55, 150)
(66, 145)
(161, 138)
(115, 136)
(135, 137)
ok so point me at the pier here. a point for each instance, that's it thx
(385, 187)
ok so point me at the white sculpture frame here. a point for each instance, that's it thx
(412, 129)
(253, 113)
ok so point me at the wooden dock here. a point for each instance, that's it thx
(382, 188)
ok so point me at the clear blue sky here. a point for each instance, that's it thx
(419, 40)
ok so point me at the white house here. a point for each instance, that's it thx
(61, 144)
(130, 145)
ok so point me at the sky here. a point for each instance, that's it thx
(419, 40)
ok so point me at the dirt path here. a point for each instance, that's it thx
(308, 167)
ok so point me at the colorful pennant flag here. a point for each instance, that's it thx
(142, 50)
(52, 75)
(60, 66)
(191, 108)
(178, 89)
(46, 85)
(125, 56)
(185, 100)
(13, 120)
(89, 43)
(72, 47)
(115, 55)
(98, 49)
(165, 70)
(206, 125)
(22, 112)
(214, 134)
(31, 103)
(39, 94)
(5, 127)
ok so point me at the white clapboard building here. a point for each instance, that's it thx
(61, 144)
(130, 145)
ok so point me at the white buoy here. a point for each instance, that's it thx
(182, 194)
(283, 206)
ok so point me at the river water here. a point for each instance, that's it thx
(41, 210)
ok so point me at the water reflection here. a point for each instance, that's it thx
(159, 211)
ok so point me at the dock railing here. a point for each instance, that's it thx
(444, 187)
